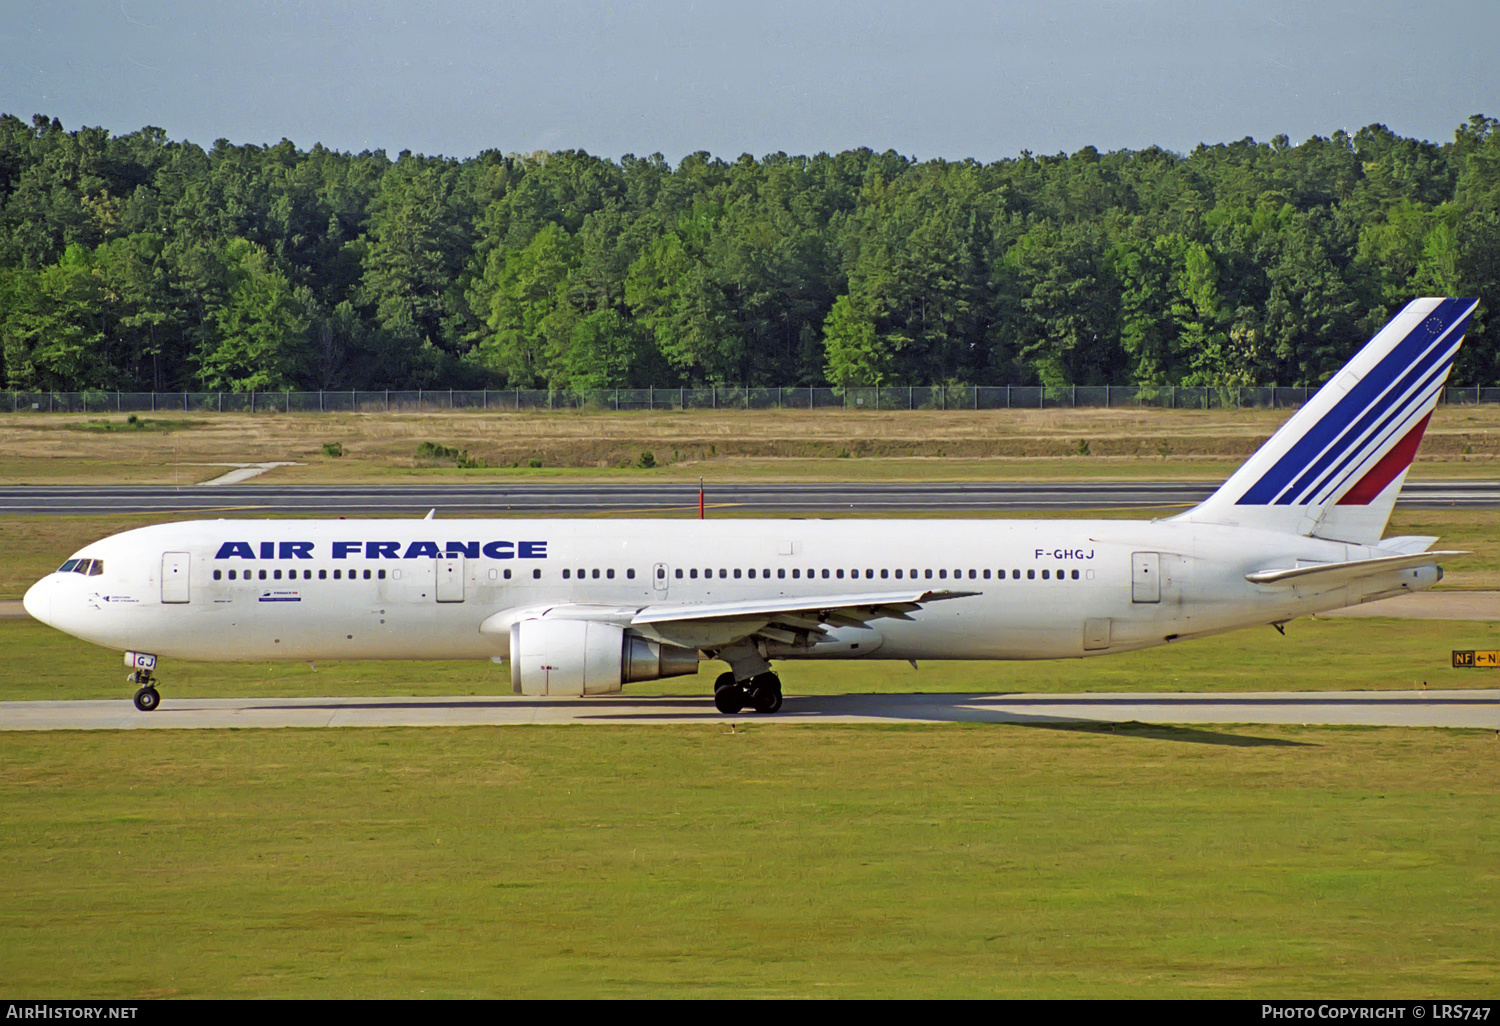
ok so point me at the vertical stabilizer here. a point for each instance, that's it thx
(1335, 468)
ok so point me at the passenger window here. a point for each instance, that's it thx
(1015, 575)
(796, 573)
(381, 575)
(986, 575)
(367, 575)
(825, 574)
(839, 574)
(898, 575)
(723, 573)
(610, 573)
(629, 574)
(1044, 574)
(218, 575)
(751, 572)
(567, 574)
(536, 574)
(1075, 575)
(507, 573)
(781, 573)
(231, 575)
(693, 573)
(736, 573)
(322, 575)
(884, 574)
(974, 573)
(338, 575)
(595, 574)
(1031, 575)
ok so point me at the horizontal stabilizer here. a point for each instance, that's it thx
(1340, 573)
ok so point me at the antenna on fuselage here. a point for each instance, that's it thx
(431, 513)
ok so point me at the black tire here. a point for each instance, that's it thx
(765, 693)
(729, 700)
(147, 699)
(725, 680)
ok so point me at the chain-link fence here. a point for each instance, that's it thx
(937, 397)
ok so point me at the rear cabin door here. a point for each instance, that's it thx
(450, 579)
(174, 576)
(1145, 577)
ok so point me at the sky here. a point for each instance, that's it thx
(951, 79)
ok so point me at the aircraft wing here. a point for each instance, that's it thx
(789, 620)
(1340, 573)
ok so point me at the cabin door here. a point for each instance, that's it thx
(1145, 577)
(174, 576)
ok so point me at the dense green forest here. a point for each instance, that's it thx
(136, 262)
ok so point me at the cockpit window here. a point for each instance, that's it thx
(90, 567)
(68, 566)
(96, 568)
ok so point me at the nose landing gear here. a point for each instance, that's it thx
(147, 698)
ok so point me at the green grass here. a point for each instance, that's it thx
(1004, 860)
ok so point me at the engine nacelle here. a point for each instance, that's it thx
(586, 657)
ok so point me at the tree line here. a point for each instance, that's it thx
(137, 262)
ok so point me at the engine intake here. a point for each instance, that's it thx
(585, 657)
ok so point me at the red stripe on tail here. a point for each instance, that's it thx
(1384, 472)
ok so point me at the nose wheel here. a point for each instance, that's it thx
(147, 698)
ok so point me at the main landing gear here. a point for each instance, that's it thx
(147, 698)
(761, 693)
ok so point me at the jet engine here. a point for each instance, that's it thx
(586, 657)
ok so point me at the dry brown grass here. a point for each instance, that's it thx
(723, 443)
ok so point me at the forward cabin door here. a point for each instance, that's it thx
(450, 579)
(1145, 577)
(174, 576)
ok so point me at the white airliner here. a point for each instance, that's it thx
(583, 607)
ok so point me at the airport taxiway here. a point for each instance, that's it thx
(1479, 708)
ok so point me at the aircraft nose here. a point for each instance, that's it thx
(38, 601)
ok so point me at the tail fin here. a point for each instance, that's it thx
(1335, 468)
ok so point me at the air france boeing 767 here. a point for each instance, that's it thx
(583, 607)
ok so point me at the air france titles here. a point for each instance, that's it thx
(384, 550)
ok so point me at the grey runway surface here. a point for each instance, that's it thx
(1473, 709)
(562, 499)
